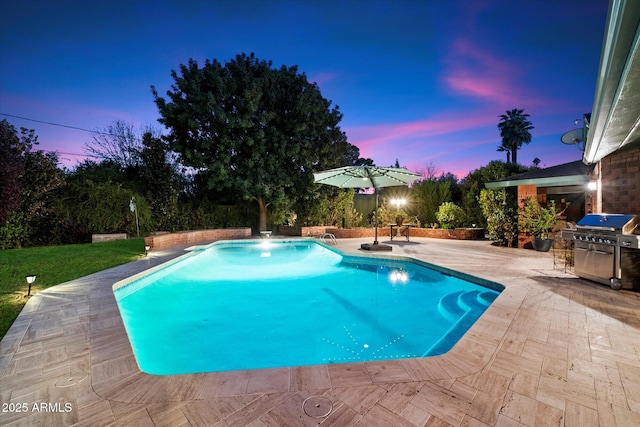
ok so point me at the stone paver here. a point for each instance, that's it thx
(553, 349)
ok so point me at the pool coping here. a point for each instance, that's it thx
(115, 374)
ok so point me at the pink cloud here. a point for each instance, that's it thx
(322, 78)
(474, 71)
(369, 138)
(447, 140)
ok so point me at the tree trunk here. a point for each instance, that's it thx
(263, 214)
(514, 155)
(508, 156)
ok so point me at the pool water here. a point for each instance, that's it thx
(253, 305)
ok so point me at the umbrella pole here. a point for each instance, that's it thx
(375, 240)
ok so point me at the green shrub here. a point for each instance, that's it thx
(389, 215)
(450, 215)
(13, 232)
(328, 206)
(428, 195)
(536, 220)
(104, 208)
(499, 209)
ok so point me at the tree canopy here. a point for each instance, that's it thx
(473, 184)
(28, 179)
(252, 128)
(514, 130)
(12, 149)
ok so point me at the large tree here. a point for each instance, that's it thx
(159, 181)
(514, 130)
(12, 149)
(257, 130)
(28, 179)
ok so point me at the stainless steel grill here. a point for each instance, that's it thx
(607, 249)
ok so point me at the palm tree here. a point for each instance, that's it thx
(502, 148)
(514, 130)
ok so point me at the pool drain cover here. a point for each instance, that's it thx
(317, 406)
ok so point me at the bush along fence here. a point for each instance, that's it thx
(343, 233)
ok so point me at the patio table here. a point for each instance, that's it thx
(399, 230)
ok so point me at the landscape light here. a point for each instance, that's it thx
(146, 249)
(398, 202)
(30, 279)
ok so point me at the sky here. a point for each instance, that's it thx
(420, 81)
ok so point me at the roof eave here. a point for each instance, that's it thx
(615, 114)
(557, 181)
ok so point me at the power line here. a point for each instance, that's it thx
(58, 124)
(64, 126)
(76, 154)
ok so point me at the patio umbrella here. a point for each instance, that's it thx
(367, 177)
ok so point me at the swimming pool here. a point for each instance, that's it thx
(270, 303)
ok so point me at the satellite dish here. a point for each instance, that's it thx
(573, 137)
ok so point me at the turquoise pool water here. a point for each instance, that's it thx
(265, 304)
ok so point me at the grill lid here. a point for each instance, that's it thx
(610, 222)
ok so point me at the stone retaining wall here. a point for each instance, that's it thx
(97, 238)
(197, 236)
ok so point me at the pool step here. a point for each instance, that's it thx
(455, 305)
(461, 308)
(450, 308)
(487, 297)
(471, 301)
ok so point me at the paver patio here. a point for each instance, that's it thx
(553, 349)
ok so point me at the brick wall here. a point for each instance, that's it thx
(301, 231)
(620, 182)
(456, 234)
(194, 237)
(347, 233)
(434, 233)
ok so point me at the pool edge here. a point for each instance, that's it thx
(472, 352)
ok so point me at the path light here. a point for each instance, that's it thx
(134, 208)
(30, 279)
(146, 249)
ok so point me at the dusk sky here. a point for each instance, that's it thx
(421, 81)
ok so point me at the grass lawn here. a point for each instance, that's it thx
(54, 265)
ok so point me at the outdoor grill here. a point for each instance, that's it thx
(607, 249)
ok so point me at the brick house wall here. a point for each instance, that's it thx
(620, 181)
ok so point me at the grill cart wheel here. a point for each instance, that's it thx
(615, 284)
